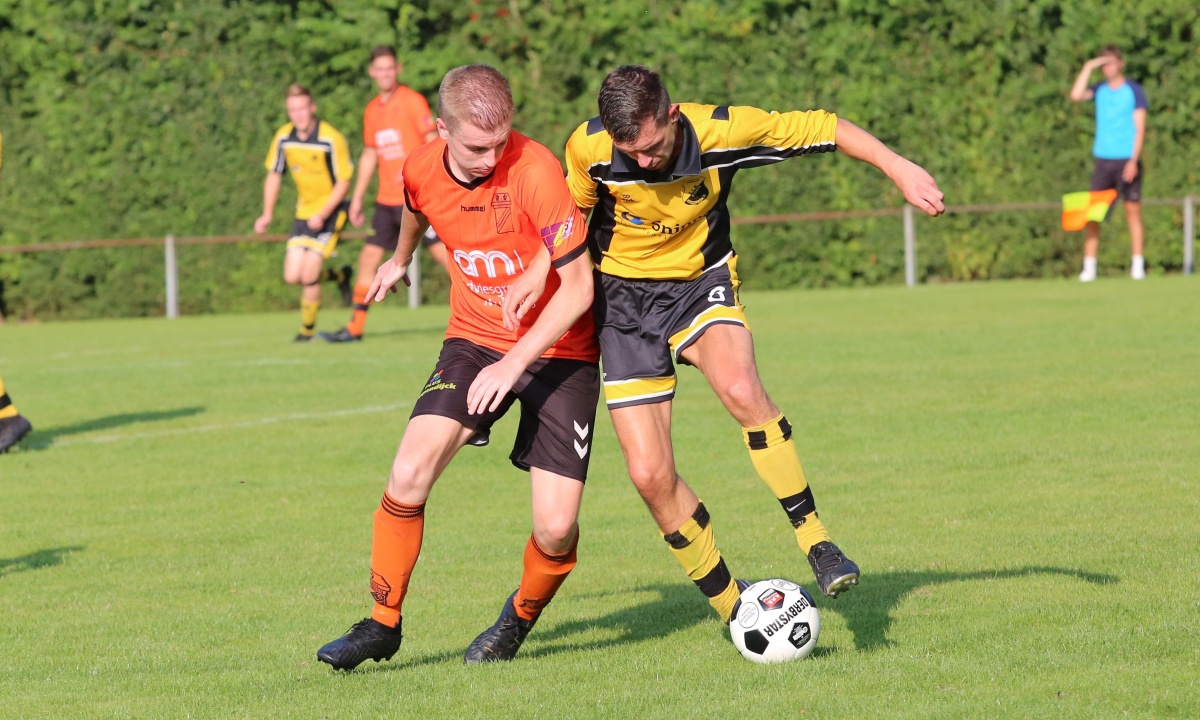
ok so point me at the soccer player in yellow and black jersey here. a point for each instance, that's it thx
(656, 177)
(319, 159)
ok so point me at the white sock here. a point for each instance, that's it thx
(1139, 264)
(1089, 265)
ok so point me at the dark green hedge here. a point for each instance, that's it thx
(145, 118)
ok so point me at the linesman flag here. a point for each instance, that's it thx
(1080, 208)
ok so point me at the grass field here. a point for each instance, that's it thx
(1014, 466)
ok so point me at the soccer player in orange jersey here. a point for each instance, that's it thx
(500, 204)
(396, 122)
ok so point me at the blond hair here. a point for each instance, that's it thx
(475, 94)
(298, 90)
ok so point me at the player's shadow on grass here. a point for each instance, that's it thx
(41, 439)
(672, 607)
(868, 608)
(35, 560)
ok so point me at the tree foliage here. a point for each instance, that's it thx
(149, 117)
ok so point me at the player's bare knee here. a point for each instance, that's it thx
(652, 480)
(556, 534)
(408, 481)
(746, 400)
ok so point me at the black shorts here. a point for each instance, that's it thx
(558, 405)
(1107, 176)
(323, 241)
(644, 326)
(385, 228)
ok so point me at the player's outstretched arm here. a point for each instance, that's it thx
(394, 269)
(270, 195)
(918, 186)
(572, 299)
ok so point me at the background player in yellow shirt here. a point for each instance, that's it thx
(319, 160)
(656, 177)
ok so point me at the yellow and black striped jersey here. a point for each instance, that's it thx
(674, 224)
(316, 162)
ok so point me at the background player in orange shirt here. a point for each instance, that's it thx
(396, 122)
(500, 204)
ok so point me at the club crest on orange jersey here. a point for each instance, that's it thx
(502, 210)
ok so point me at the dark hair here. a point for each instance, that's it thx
(1112, 50)
(382, 51)
(630, 95)
(298, 90)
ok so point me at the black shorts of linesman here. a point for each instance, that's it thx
(519, 334)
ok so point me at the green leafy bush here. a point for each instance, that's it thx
(147, 118)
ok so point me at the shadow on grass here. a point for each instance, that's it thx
(677, 606)
(672, 607)
(36, 560)
(41, 439)
(868, 608)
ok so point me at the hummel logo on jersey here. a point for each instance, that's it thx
(471, 208)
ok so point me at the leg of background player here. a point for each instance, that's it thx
(13, 427)
(1091, 246)
(303, 267)
(1133, 216)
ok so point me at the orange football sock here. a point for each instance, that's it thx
(358, 321)
(544, 574)
(395, 545)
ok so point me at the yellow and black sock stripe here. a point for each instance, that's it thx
(308, 316)
(7, 409)
(774, 456)
(695, 547)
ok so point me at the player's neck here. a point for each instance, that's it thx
(385, 95)
(458, 173)
(1116, 82)
(306, 132)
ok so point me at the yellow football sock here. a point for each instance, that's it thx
(695, 547)
(308, 316)
(774, 456)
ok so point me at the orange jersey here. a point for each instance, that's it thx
(395, 128)
(493, 227)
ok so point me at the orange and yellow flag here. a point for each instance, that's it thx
(1080, 208)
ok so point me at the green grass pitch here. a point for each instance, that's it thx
(1014, 466)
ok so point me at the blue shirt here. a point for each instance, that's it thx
(1114, 119)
